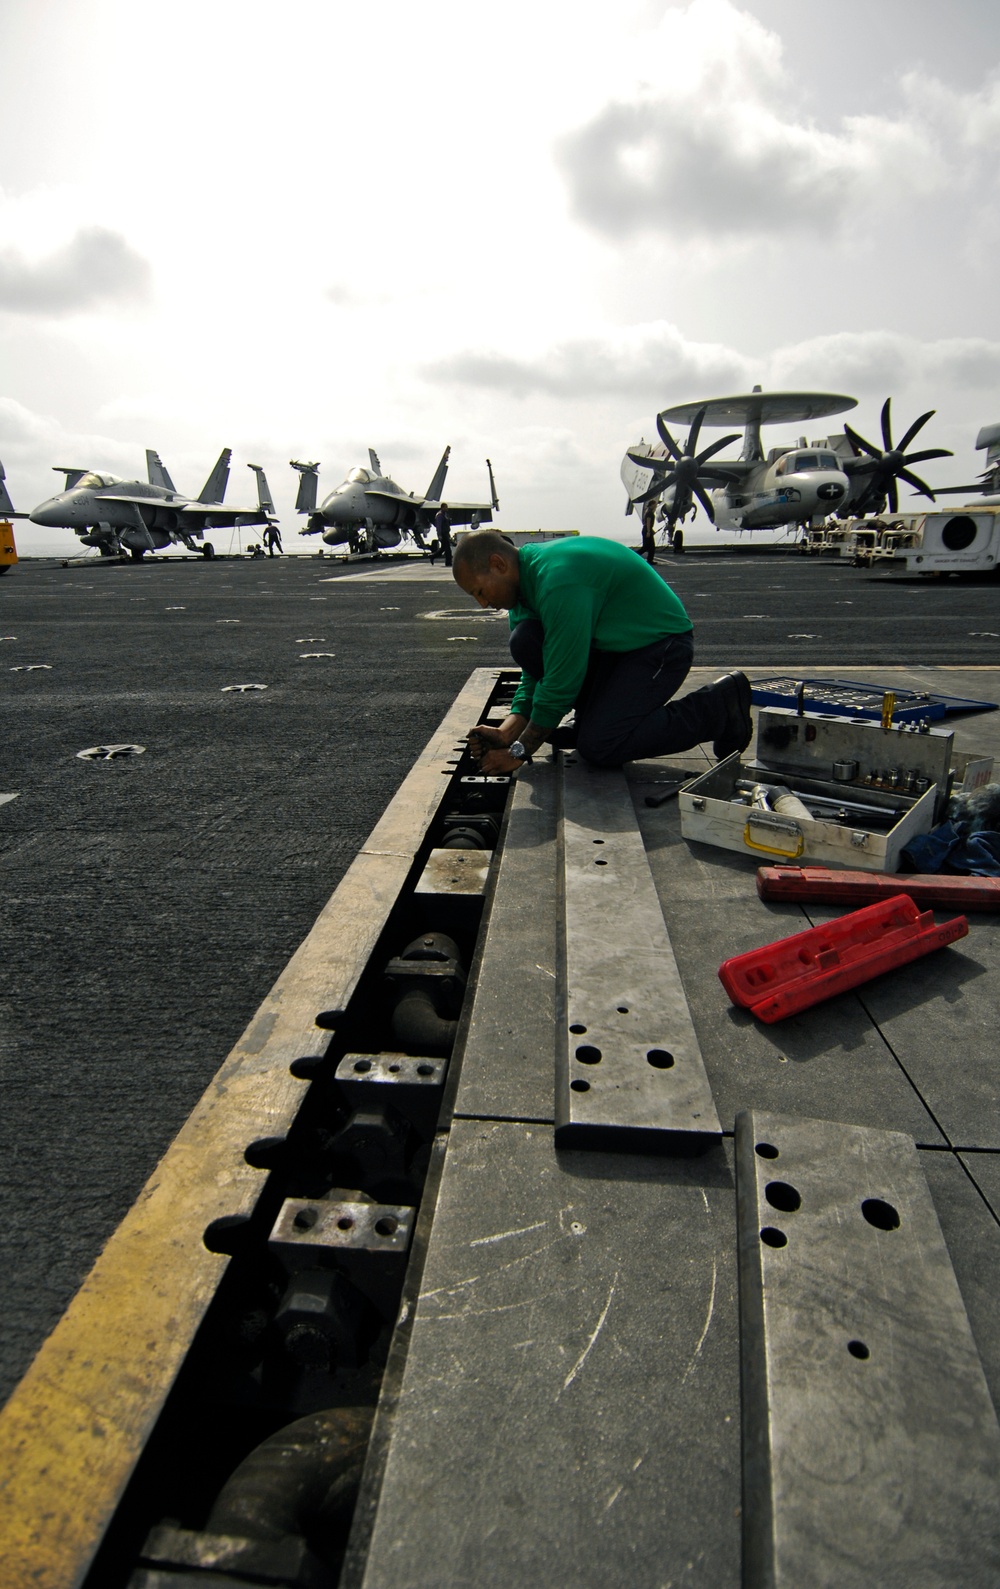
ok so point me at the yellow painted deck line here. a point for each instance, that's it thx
(72, 1431)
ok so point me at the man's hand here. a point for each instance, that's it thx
(488, 744)
(486, 736)
(498, 761)
(489, 749)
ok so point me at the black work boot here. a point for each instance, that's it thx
(735, 723)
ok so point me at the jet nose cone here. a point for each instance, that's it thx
(45, 513)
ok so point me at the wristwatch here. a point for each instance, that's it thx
(518, 750)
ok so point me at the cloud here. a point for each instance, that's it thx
(637, 361)
(879, 361)
(96, 266)
(707, 149)
(656, 363)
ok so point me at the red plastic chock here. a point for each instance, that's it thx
(785, 977)
(823, 885)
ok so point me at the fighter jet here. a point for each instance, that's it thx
(133, 517)
(369, 511)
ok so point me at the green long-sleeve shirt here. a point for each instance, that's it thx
(586, 592)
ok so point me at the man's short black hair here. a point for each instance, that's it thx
(475, 549)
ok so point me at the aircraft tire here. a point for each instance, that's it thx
(677, 542)
(137, 553)
(208, 551)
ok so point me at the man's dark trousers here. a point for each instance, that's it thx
(624, 711)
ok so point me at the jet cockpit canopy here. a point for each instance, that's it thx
(94, 482)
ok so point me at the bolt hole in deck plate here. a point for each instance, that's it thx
(621, 987)
(870, 1444)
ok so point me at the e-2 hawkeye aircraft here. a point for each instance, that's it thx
(369, 511)
(790, 485)
(136, 517)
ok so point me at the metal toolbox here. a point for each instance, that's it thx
(867, 790)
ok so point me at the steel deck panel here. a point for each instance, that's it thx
(569, 1411)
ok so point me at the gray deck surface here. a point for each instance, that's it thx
(565, 1386)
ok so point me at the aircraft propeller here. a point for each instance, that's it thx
(684, 470)
(892, 464)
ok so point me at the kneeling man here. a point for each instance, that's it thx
(594, 627)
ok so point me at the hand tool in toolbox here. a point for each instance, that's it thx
(823, 886)
(783, 978)
(866, 790)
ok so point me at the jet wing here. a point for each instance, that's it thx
(461, 512)
(139, 502)
(214, 510)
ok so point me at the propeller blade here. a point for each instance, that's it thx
(886, 430)
(859, 443)
(918, 424)
(716, 446)
(666, 438)
(920, 486)
(931, 452)
(655, 490)
(893, 495)
(646, 463)
(705, 502)
(694, 432)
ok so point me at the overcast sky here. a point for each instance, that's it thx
(302, 229)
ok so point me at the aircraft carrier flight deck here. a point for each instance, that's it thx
(219, 939)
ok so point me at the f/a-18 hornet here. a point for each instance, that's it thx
(136, 517)
(790, 485)
(369, 511)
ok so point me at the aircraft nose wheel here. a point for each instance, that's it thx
(208, 551)
(677, 541)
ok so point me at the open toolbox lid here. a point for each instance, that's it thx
(851, 752)
(848, 698)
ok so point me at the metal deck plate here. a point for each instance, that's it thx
(569, 1409)
(871, 1447)
(985, 1171)
(507, 1062)
(629, 1071)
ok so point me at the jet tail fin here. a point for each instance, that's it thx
(373, 459)
(434, 490)
(305, 502)
(214, 489)
(7, 510)
(493, 488)
(158, 475)
(264, 501)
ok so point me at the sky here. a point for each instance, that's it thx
(307, 229)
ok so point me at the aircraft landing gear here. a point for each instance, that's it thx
(208, 551)
(677, 541)
(137, 553)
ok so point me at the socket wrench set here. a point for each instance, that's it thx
(839, 790)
